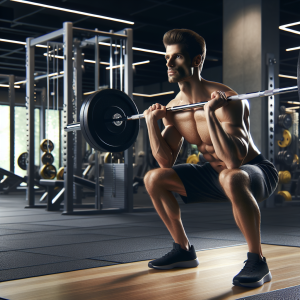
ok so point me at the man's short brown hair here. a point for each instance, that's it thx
(194, 43)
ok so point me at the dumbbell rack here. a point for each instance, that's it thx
(289, 186)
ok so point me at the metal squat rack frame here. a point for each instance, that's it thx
(72, 81)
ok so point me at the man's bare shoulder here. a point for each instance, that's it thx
(174, 102)
(216, 86)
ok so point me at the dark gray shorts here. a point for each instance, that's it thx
(202, 182)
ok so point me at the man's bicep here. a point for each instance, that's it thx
(235, 124)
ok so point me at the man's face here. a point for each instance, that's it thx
(178, 63)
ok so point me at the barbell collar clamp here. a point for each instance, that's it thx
(72, 127)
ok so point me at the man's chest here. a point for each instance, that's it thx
(192, 125)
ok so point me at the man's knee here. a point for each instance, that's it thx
(152, 178)
(232, 179)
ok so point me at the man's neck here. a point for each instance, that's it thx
(193, 90)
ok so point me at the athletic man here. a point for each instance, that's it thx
(235, 170)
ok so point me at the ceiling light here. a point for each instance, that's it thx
(7, 85)
(150, 51)
(88, 93)
(287, 76)
(41, 77)
(291, 102)
(73, 11)
(134, 64)
(292, 108)
(93, 62)
(138, 95)
(19, 42)
(284, 27)
(86, 60)
(291, 49)
(134, 48)
(21, 82)
(12, 41)
(153, 95)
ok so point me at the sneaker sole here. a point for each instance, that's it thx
(266, 278)
(182, 264)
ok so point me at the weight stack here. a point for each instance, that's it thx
(114, 186)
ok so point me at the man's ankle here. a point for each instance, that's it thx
(184, 246)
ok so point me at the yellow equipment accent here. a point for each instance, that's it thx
(287, 139)
(287, 196)
(296, 159)
(48, 172)
(284, 177)
(192, 159)
(60, 173)
(46, 145)
(106, 157)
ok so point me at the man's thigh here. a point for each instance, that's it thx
(201, 183)
(167, 178)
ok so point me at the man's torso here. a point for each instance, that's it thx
(192, 125)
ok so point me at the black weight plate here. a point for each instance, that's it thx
(82, 121)
(103, 105)
(22, 160)
(288, 158)
(287, 121)
(47, 158)
(98, 144)
(298, 75)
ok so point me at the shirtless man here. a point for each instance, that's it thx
(235, 170)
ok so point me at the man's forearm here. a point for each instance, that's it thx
(160, 149)
(230, 149)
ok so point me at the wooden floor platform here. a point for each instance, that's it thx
(212, 279)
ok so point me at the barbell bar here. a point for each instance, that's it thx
(266, 93)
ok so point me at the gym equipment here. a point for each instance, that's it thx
(22, 160)
(104, 116)
(287, 139)
(47, 158)
(296, 159)
(287, 196)
(108, 136)
(115, 158)
(284, 177)
(192, 159)
(285, 157)
(60, 173)
(285, 121)
(48, 172)
(12, 181)
(46, 145)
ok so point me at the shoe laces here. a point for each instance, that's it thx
(250, 265)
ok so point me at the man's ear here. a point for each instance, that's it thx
(197, 60)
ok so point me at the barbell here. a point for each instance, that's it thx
(105, 116)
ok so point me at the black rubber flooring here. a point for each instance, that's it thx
(291, 293)
(34, 242)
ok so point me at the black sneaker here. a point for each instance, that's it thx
(255, 272)
(176, 258)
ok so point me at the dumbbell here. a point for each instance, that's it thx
(46, 145)
(48, 172)
(47, 158)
